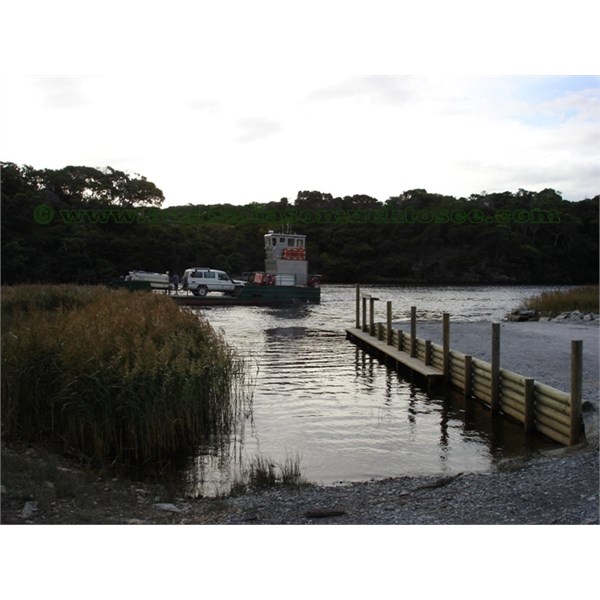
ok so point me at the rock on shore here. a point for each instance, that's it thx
(574, 316)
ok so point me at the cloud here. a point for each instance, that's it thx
(62, 92)
(394, 90)
(256, 128)
(210, 106)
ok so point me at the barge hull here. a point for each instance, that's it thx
(256, 295)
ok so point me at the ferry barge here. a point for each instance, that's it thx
(285, 280)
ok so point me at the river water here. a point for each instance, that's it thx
(345, 416)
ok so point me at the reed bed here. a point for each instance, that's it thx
(25, 298)
(552, 303)
(114, 375)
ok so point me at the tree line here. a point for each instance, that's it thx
(87, 225)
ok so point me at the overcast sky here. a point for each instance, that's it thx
(259, 138)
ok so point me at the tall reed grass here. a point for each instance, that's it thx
(23, 299)
(115, 375)
(262, 472)
(552, 303)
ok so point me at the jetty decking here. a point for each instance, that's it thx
(431, 374)
(551, 412)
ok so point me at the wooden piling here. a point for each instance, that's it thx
(576, 389)
(413, 331)
(468, 386)
(357, 306)
(428, 352)
(390, 332)
(372, 315)
(495, 383)
(446, 346)
(364, 314)
(528, 420)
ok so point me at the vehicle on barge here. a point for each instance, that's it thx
(157, 281)
(202, 280)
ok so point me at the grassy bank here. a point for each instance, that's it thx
(123, 377)
(552, 303)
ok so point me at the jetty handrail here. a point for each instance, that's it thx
(540, 407)
(372, 299)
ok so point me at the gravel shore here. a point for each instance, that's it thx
(559, 487)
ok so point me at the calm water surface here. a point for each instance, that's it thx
(347, 417)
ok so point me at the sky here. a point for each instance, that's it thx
(239, 113)
(242, 139)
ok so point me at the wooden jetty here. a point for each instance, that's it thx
(542, 408)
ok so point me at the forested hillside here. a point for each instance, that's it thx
(86, 225)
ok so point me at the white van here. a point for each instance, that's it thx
(201, 280)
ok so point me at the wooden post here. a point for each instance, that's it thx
(468, 371)
(357, 306)
(390, 332)
(413, 331)
(364, 311)
(428, 352)
(495, 400)
(576, 389)
(529, 412)
(446, 347)
(371, 316)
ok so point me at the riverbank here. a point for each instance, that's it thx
(558, 487)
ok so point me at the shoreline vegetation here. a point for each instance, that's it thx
(113, 377)
(85, 225)
(263, 473)
(584, 299)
